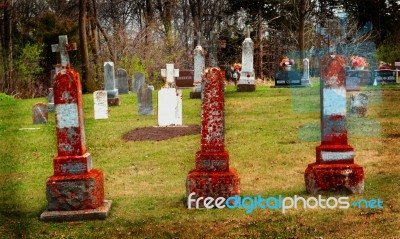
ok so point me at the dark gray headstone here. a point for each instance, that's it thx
(288, 78)
(145, 100)
(137, 81)
(121, 81)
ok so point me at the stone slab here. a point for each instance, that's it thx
(246, 88)
(100, 213)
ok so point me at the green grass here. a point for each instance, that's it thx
(271, 135)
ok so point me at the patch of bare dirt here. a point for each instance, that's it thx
(160, 133)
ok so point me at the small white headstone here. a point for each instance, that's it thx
(100, 104)
(169, 107)
(305, 80)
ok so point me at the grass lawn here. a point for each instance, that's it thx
(271, 135)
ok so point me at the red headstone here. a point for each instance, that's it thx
(334, 168)
(75, 186)
(212, 176)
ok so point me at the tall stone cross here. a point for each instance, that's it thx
(63, 47)
(169, 73)
(334, 169)
(212, 176)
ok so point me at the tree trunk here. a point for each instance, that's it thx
(83, 41)
(6, 43)
(302, 20)
(259, 70)
(94, 42)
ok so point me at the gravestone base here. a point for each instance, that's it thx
(100, 213)
(246, 88)
(75, 192)
(212, 184)
(212, 161)
(113, 101)
(195, 95)
(342, 178)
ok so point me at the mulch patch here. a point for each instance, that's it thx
(160, 133)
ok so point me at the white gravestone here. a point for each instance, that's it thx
(246, 80)
(199, 65)
(169, 99)
(100, 104)
(305, 80)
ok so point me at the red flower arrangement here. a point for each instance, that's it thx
(358, 61)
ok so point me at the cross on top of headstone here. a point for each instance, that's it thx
(63, 47)
(199, 38)
(169, 73)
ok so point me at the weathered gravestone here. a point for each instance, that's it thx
(246, 80)
(50, 99)
(145, 100)
(169, 99)
(76, 190)
(334, 169)
(109, 83)
(63, 47)
(212, 176)
(352, 81)
(305, 79)
(358, 105)
(100, 104)
(137, 81)
(199, 67)
(121, 81)
(40, 113)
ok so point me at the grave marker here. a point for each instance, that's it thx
(137, 81)
(169, 99)
(50, 99)
(100, 104)
(76, 190)
(63, 47)
(121, 82)
(358, 105)
(334, 169)
(199, 67)
(246, 80)
(40, 113)
(109, 83)
(212, 176)
(305, 79)
(145, 100)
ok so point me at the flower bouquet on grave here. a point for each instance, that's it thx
(286, 63)
(358, 62)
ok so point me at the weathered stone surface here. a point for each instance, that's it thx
(359, 105)
(145, 100)
(212, 176)
(121, 81)
(100, 104)
(40, 113)
(334, 169)
(137, 81)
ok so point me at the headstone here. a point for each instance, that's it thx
(170, 99)
(169, 107)
(40, 113)
(352, 81)
(50, 99)
(334, 169)
(246, 80)
(109, 83)
(185, 79)
(212, 176)
(121, 82)
(145, 100)
(63, 47)
(358, 105)
(385, 77)
(100, 104)
(212, 49)
(76, 190)
(199, 67)
(305, 80)
(137, 81)
(288, 79)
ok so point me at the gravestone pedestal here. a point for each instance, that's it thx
(334, 169)
(76, 190)
(212, 176)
